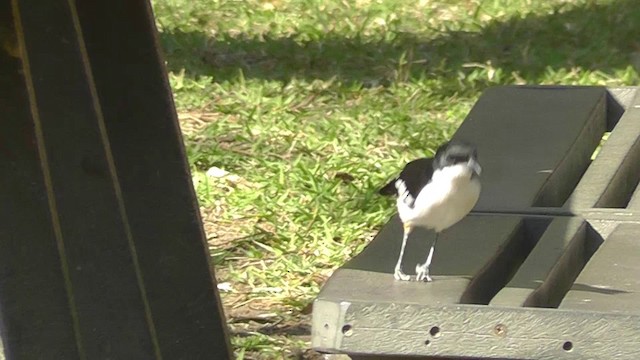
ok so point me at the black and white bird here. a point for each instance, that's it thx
(435, 193)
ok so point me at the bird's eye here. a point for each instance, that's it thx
(456, 159)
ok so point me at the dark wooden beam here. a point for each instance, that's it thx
(105, 256)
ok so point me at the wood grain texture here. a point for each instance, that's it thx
(484, 332)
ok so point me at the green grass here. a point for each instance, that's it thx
(312, 105)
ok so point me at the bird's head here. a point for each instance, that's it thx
(458, 159)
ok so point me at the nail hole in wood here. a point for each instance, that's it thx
(567, 346)
(347, 330)
(435, 331)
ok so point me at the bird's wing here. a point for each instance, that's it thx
(411, 180)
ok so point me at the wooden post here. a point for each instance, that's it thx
(102, 250)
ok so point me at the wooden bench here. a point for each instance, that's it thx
(547, 266)
(102, 254)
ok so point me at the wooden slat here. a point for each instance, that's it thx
(534, 142)
(611, 280)
(619, 100)
(548, 272)
(31, 275)
(462, 252)
(483, 332)
(155, 181)
(108, 299)
(614, 174)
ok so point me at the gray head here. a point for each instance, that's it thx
(457, 153)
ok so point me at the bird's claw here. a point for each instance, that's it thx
(400, 276)
(422, 273)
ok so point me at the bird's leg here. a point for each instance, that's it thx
(398, 274)
(422, 270)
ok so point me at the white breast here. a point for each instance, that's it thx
(449, 197)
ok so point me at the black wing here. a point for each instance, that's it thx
(413, 178)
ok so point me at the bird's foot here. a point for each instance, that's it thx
(422, 273)
(400, 276)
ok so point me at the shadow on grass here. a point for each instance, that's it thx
(592, 37)
(286, 330)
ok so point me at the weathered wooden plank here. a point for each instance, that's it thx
(31, 272)
(611, 280)
(548, 272)
(156, 185)
(462, 252)
(475, 331)
(614, 174)
(555, 129)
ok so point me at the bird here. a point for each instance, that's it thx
(435, 193)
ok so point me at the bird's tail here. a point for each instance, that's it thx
(389, 189)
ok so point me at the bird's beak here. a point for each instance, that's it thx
(474, 166)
